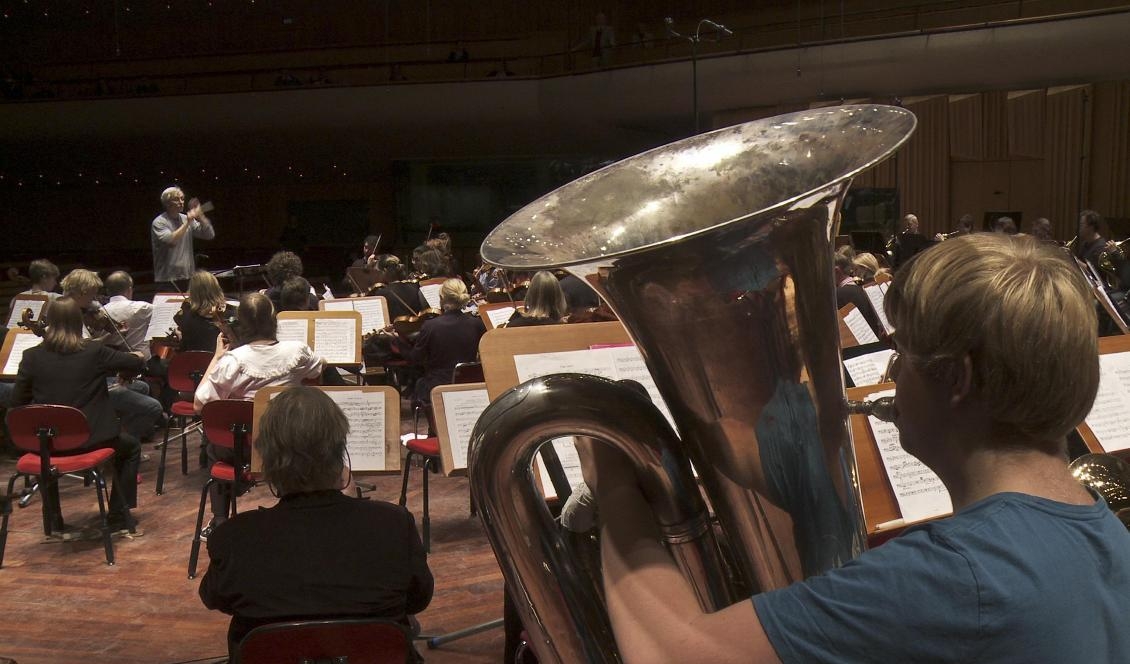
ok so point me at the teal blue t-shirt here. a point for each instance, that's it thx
(1011, 578)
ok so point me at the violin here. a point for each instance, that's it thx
(28, 322)
(408, 327)
(164, 347)
(226, 329)
(103, 327)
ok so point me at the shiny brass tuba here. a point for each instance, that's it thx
(716, 254)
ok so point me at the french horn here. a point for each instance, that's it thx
(716, 253)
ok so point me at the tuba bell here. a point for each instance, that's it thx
(716, 253)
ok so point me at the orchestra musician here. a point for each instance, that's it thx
(172, 233)
(908, 242)
(848, 291)
(70, 370)
(282, 266)
(403, 296)
(544, 303)
(1032, 567)
(446, 340)
(1090, 242)
(239, 371)
(129, 397)
(1042, 230)
(317, 553)
(964, 227)
(44, 277)
(203, 304)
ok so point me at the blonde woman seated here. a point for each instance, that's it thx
(866, 267)
(545, 303)
(446, 340)
(196, 318)
(239, 371)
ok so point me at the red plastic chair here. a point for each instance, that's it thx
(43, 431)
(186, 370)
(227, 423)
(353, 640)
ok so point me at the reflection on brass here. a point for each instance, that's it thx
(1108, 476)
(716, 254)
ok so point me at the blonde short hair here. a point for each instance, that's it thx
(81, 282)
(168, 194)
(453, 294)
(1022, 313)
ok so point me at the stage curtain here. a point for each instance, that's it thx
(1066, 132)
(923, 165)
(1110, 150)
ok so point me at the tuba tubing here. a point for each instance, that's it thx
(555, 606)
(715, 253)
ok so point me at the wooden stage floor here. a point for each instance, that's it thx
(63, 604)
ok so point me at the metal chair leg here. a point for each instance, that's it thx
(7, 509)
(103, 498)
(164, 453)
(183, 445)
(195, 553)
(404, 480)
(427, 521)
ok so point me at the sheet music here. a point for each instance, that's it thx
(570, 361)
(431, 294)
(461, 410)
(18, 306)
(162, 317)
(292, 329)
(23, 341)
(868, 369)
(877, 293)
(499, 316)
(860, 328)
(372, 314)
(163, 297)
(366, 414)
(335, 339)
(1109, 418)
(629, 365)
(919, 492)
(570, 463)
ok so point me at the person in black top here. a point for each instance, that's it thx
(446, 340)
(1090, 242)
(909, 242)
(849, 292)
(282, 266)
(544, 304)
(403, 297)
(317, 553)
(196, 319)
(71, 371)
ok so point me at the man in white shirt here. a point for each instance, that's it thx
(172, 233)
(131, 315)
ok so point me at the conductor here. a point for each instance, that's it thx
(172, 233)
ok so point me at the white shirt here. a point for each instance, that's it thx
(134, 316)
(243, 371)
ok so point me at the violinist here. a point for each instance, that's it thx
(44, 277)
(140, 412)
(69, 370)
(132, 315)
(446, 340)
(404, 297)
(239, 371)
(282, 266)
(369, 249)
(544, 303)
(195, 320)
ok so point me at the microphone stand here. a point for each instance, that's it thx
(694, 39)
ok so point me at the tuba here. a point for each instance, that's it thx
(716, 253)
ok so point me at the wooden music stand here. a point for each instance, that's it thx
(373, 310)
(311, 318)
(847, 339)
(16, 341)
(35, 301)
(1107, 346)
(391, 425)
(455, 433)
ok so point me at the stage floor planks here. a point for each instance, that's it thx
(63, 604)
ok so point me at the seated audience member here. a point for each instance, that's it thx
(129, 397)
(446, 340)
(238, 372)
(544, 304)
(282, 266)
(403, 297)
(850, 292)
(1032, 567)
(68, 370)
(196, 319)
(317, 553)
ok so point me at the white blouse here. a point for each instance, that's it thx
(243, 371)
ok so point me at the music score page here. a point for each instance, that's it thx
(919, 492)
(461, 409)
(859, 328)
(1109, 418)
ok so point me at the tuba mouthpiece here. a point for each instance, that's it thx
(882, 408)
